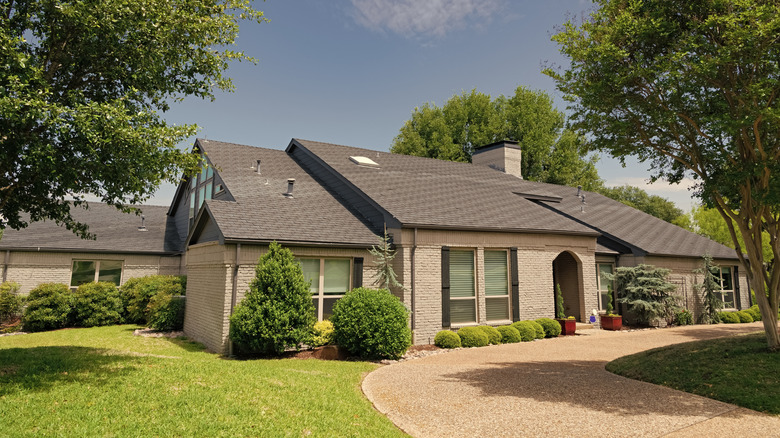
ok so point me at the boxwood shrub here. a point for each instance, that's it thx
(539, 330)
(10, 301)
(136, 293)
(472, 337)
(493, 335)
(372, 323)
(527, 330)
(744, 316)
(48, 307)
(447, 339)
(551, 327)
(165, 312)
(754, 312)
(509, 334)
(322, 333)
(728, 317)
(96, 304)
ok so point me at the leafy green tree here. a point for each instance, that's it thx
(708, 222)
(654, 205)
(81, 91)
(645, 291)
(551, 153)
(712, 302)
(692, 88)
(277, 312)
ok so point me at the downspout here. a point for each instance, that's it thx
(414, 250)
(5, 264)
(234, 294)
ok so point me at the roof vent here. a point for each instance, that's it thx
(290, 182)
(364, 161)
(257, 169)
(142, 227)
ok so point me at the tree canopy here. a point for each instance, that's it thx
(654, 205)
(82, 86)
(692, 88)
(709, 223)
(551, 153)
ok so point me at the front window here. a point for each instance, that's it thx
(201, 189)
(463, 300)
(87, 271)
(726, 282)
(605, 285)
(329, 279)
(496, 286)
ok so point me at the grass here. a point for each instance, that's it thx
(738, 370)
(105, 382)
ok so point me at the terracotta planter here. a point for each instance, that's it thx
(611, 322)
(568, 326)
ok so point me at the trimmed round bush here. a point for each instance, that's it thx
(372, 323)
(551, 327)
(538, 329)
(509, 334)
(10, 302)
(447, 339)
(165, 312)
(472, 337)
(754, 312)
(96, 304)
(322, 334)
(744, 316)
(48, 307)
(136, 293)
(494, 336)
(527, 330)
(728, 317)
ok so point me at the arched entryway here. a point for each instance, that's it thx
(567, 273)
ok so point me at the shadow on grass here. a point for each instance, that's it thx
(697, 333)
(584, 384)
(186, 344)
(41, 368)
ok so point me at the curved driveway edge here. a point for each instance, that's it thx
(555, 386)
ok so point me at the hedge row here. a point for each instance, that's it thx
(480, 336)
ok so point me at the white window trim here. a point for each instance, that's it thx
(508, 295)
(97, 270)
(722, 292)
(602, 305)
(321, 295)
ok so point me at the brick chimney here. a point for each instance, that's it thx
(502, 155)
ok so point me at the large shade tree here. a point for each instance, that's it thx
(82, 86)
(551, 153)
(692, 88)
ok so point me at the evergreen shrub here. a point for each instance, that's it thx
(48, 307)
(527, 330)
(472, 337)
(551, 327)
(728, 317)
(96, 304)
(494, 336)
(166, 312)
(136, 293)
(754, 312)
(322, 334)
(744, 316)
(372, 323)
(277, 312)
(509, 334)
(10, 301)
(683, 317)
(538, 330)
(447, 339)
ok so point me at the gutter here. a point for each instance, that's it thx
(234, 294)
(5, 264)
(414, 250)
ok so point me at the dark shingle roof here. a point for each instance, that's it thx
(427, 192)
(261, 212)
(115, 231)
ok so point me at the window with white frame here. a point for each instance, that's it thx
(463, 299)
(87, 271)
(726, 283)
(330, 280)
(605, 285)
(496, 285)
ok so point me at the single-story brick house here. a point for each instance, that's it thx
(476, 243)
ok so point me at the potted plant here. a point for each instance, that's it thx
(568, 325)
(611, 321)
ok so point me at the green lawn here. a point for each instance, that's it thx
(106, 382)
(737, 370)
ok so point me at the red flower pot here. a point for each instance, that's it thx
(568, 326)
(611, 322)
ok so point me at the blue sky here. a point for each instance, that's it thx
(351, 71)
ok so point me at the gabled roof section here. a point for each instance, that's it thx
(425, 192)
(116, 232)
(261, 212)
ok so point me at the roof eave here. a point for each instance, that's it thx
(500, 229)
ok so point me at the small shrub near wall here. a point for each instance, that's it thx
(551, 327)
(372, 323)
(527, 330)
(509, 334)
(48, 307)
(683, 317)
(136, 293)
(472, 337)
(96, 304)
(754, 312)
(165, 312)
(538, 330)
(322, 334)
(493, 335)
(10, 302)
(447, 339)
(744, 316)
(728, 317)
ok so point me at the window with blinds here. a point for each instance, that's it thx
(463, 299)
(329, 279)
(496, 286)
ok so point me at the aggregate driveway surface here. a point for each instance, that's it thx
(555, 386)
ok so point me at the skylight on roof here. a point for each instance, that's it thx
(364, 161)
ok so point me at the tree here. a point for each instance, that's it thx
(472, 119)
(712, 302)
(81, 89)
(385, 276)
(645, 291)
(708, 222)
(692, 88)
(654, 205)
(277, 312)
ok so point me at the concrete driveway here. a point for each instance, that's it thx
(555, 387)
